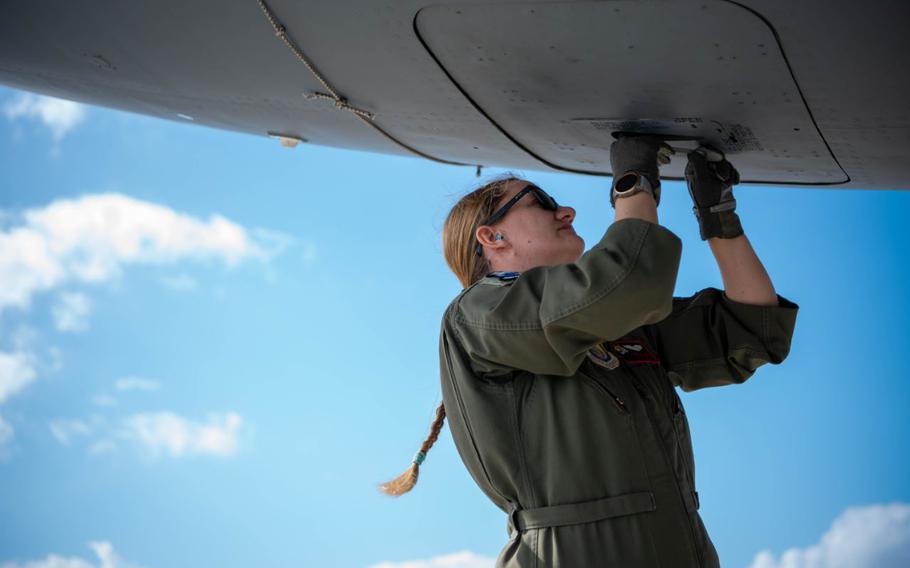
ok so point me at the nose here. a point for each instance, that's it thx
(565, 213)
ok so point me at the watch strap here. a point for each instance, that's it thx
(640, 183)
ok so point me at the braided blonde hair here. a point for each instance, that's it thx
(458, 246)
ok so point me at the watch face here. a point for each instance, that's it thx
(627, 182)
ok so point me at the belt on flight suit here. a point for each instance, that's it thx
(588, 511)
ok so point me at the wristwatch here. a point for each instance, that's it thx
(631, 183)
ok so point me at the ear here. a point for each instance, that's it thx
(486, 236)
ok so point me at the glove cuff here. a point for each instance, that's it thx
(721, 223)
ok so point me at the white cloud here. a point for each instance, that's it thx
(16, 371)
(102, 447)
(135, 383)
(20, 366)
(88, 239)
(168, 432)
(875, 536)
(464, 559)
(155, 432)
(52, 561)
(59, 115)
(24, 338)
(71, 312)
(107, 558)
(272, 242)
(104, 399)
(181, 282)
(66, 430)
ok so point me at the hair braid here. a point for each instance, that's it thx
(458, 245)
(406, 481)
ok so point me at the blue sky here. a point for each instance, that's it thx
(212, 348)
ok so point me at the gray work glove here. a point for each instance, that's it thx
(711, 188)
(642, 155)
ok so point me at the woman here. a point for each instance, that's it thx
(558, 368)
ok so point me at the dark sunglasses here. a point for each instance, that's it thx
(545, 200)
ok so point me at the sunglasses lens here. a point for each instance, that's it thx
(544, 198)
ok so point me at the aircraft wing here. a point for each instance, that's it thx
(808, 93)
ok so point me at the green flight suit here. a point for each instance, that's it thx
(594, 465)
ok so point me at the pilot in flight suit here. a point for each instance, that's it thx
(559, 385)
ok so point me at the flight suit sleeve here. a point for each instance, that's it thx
(546, 319)
(710, 340)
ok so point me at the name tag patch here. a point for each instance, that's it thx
(634, 352)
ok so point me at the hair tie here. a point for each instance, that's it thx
(419, 457)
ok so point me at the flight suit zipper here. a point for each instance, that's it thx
(645, 397)
(618, 402)
(680, 443)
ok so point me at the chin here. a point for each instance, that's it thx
(574, 253)
(580, 248)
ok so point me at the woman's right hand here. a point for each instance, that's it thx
(640, 155)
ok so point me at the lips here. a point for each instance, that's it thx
(566, 226)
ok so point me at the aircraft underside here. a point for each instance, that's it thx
(810, 93)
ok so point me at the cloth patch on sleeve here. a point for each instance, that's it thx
(634, 351)
(505, 276)
(603, 357)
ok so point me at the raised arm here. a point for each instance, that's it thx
(744, 276)
(719, 337)
(546, 319)
(710, 340)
